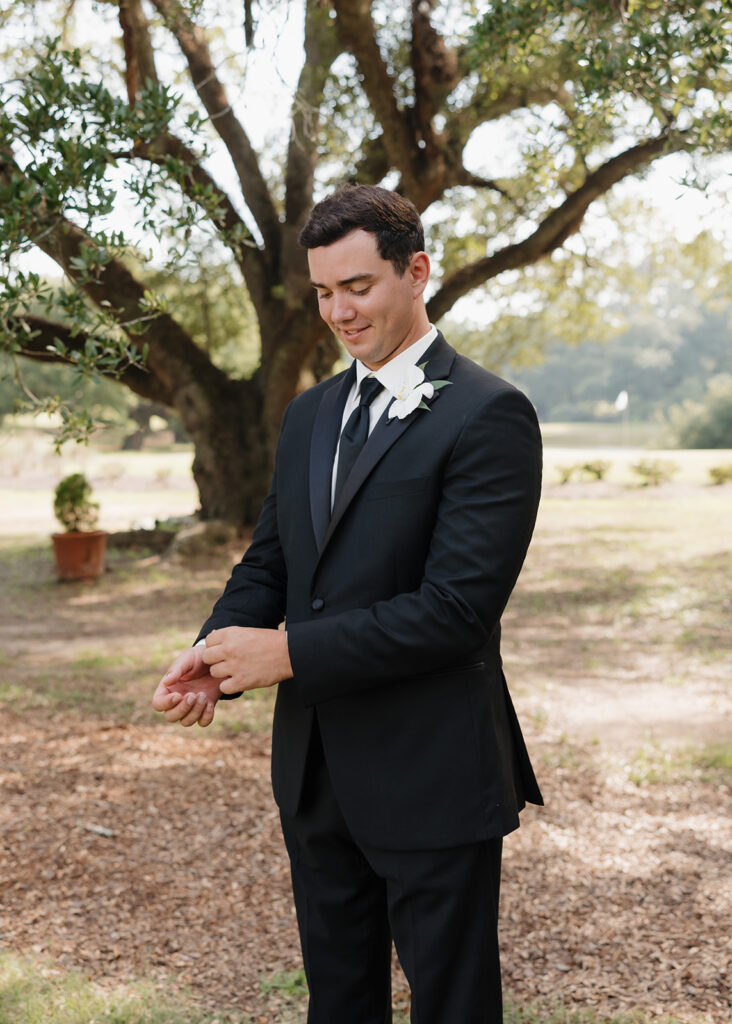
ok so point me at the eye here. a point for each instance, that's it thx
(361, 291)
(323, 295)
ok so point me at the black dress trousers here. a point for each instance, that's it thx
(440, 907)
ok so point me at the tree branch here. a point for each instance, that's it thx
(488, 105)
(210, 89)
(140, 67)
(139, 56)
(356, 31)
(173, 356)
(435, 68)
(464, 177)
(250, 259)
(373, 163)
(321, 49)
(557, 227)
(44, 333)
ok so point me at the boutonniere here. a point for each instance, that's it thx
(414, 392)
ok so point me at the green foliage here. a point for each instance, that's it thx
(53, 387)
(721, 474)
(654, 471)
(707, 423)
(107, 351)
(72, 504)
(212, 303)
(660, 52)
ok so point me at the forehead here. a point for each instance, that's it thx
(354, 255)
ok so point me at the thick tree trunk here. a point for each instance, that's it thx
(232, 463)
(234, 424)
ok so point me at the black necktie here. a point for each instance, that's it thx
(356, 432)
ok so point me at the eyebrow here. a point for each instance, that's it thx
(346, 280)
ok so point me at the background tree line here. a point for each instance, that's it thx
(671, 369)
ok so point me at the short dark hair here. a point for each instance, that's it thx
(392, 218)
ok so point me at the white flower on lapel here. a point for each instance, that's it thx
(414, 392)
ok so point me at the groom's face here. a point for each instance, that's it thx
(368, 306)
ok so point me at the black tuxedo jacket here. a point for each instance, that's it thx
(393, 606)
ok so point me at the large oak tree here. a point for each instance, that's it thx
(554, 102)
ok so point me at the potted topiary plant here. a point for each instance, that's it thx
(80, 550)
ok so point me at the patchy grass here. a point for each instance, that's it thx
(101, 645)
(709, 763)
(34, 991)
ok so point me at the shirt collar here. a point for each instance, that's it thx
(391, 374)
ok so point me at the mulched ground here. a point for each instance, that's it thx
(133, 850)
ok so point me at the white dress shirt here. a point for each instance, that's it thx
(391, 376)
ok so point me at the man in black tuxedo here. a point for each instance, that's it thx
(402, 504)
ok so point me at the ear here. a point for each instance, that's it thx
(419, 271)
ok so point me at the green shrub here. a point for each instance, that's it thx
(72, 504)
(565, 473)
(597, 469)
(721, 474)
(654, 471)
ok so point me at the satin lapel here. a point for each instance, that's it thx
(326, 430)
(387, 432)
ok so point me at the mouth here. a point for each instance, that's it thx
(352, 333)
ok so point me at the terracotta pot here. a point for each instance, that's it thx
(80, 556)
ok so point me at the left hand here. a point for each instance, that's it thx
(244, 658)
(188, 693)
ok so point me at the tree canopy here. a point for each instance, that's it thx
(126, 153)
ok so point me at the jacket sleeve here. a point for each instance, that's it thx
(484, 522)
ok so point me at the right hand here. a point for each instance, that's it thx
(188, 693)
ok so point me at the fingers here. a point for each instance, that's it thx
(219, 670)
(163, 700)
(207, 716)
(161, 697)
(196, 709)
(189, 709)
(211, 655)
(230, 685)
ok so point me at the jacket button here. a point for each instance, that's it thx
(318, 604)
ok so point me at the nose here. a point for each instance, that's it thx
(342, 309)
